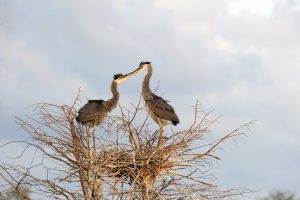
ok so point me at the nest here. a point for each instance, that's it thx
(141, 166)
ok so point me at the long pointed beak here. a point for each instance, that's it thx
(126, 76)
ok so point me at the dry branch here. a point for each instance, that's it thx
(121, 159)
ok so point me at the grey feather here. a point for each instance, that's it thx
(95, 111)
(160, 108)
(92, 113)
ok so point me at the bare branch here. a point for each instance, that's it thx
(121, 159)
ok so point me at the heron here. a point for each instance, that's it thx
(158, 108)
(94, 112)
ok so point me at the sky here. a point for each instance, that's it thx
(238, 57)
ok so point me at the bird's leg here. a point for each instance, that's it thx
(161, 132)
(89, 155)
(88, 137)
(94, 139)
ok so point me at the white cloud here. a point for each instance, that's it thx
(240, 57)
(263, 7)
(26, 72)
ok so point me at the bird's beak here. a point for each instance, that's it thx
(126, 76)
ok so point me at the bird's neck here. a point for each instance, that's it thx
(146, 87)
(112, 103)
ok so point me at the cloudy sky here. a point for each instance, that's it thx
(238, 57)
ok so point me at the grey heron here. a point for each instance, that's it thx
(158, 108)
(94, 112)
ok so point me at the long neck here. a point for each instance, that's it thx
(112, 103)
(146, 87)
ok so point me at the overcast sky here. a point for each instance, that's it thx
(239, 57)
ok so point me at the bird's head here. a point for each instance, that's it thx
(141, 67)
(118, 78)
(144, 65)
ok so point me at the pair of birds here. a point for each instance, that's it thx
(94, 112)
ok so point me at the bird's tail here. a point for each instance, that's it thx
(79, 119)
(175, 122)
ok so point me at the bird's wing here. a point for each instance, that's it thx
(162, 109)
(91, 109)
(99, 101)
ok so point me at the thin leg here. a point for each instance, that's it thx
(161, 132)
(88, 137)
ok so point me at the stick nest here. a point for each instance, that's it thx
(141, 166)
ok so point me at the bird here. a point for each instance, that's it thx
(158, 108)
(94, 112)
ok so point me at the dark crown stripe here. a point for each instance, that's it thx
(144, 63)
(116, 76)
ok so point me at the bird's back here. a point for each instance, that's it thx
(92, 113)
(158, 107)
